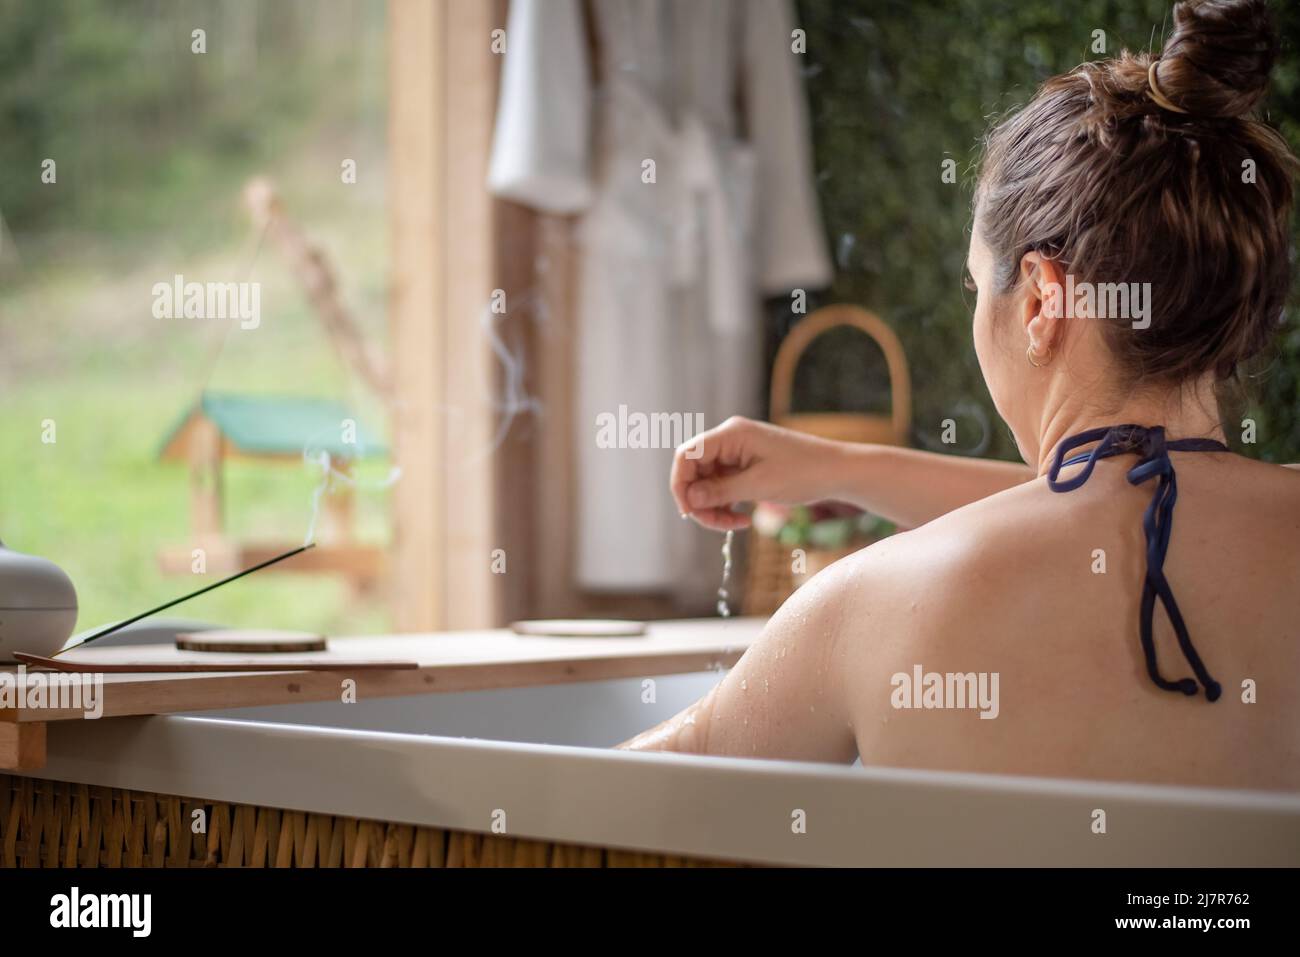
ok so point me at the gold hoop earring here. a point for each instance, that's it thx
(1029, 354)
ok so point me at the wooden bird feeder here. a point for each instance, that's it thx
(221, 427)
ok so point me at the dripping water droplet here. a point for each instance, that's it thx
(724, 608)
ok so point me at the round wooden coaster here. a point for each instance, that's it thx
(250, 641)
(579, 628)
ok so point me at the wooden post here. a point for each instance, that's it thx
(22, 745)
(518, 480)
(442, 89)
(415, 116)
(205, 448)
(555, 469)
(469, 362)
(340, 506)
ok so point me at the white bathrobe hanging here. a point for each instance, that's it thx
(692, 209)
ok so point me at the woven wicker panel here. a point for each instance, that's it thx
(56, 824)
(769, 580)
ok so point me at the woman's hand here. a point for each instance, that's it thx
(742, 461)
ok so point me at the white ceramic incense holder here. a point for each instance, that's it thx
(38, 605)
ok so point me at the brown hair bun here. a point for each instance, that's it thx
(1217, 61)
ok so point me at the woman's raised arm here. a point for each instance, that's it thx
(743, 461)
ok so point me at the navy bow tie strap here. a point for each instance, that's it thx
(1153, 462)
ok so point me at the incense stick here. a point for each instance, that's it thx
(176, 601)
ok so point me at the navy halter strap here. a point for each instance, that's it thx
(1152, 449)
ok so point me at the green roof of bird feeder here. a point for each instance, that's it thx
(275, 426)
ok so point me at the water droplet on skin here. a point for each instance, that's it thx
(744, 685)
(690, 719)
(765, 687)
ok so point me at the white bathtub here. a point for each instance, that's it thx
(540, 755)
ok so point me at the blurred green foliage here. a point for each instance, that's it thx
(896, 87)
(142, 127)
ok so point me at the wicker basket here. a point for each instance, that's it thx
(770, 578)
(58, 824)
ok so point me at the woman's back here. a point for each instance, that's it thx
(1024, 626)
(1044, 589)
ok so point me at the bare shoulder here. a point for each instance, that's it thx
(1280, 483)
(964, 589)
(917, 586)
(974, 541)
(1286, 473)
(949, 598)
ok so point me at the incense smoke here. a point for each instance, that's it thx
(331, 478)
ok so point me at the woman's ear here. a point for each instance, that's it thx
(1044, 306)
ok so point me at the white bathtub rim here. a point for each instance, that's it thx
(726, 808)
(1281, 801)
